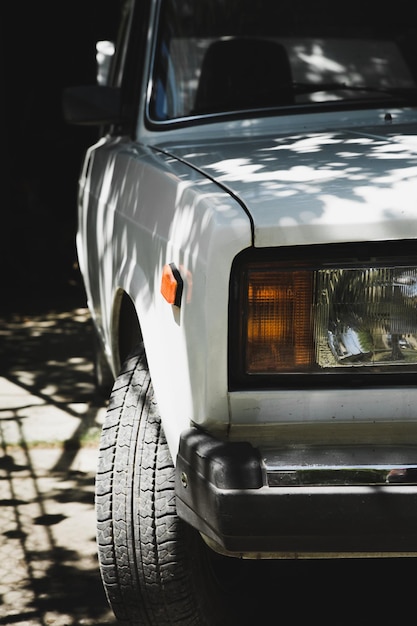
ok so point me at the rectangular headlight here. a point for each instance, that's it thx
(325, 316)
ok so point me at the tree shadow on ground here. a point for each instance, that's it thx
(49, 572)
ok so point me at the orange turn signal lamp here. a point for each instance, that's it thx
(171, 284)
(277, 333)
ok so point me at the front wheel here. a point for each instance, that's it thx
(156, 569)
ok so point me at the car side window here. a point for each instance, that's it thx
(121, 44)
(127, 61)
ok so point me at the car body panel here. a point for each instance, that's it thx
(176, 201)
(324, 415)
(180, 217)
(323, 187)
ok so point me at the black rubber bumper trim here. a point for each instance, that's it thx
(222, 493)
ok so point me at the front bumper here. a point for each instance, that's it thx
(244, 507)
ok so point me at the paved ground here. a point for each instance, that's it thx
(49, 424)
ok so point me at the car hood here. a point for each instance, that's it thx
(318, 187)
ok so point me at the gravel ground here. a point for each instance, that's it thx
(49, 424)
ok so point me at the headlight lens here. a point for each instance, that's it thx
(326, 317)
(366, 317)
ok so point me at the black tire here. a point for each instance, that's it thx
(156, 570)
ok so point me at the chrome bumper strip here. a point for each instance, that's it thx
(320, 466)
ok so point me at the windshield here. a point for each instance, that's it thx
(222, 56)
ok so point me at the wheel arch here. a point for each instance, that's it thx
(127, 332)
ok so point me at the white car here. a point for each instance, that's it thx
(247, 237)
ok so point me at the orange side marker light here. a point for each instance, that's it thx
(171, 284)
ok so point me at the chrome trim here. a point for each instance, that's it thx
(321, 466)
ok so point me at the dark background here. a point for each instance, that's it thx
(49, 45)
